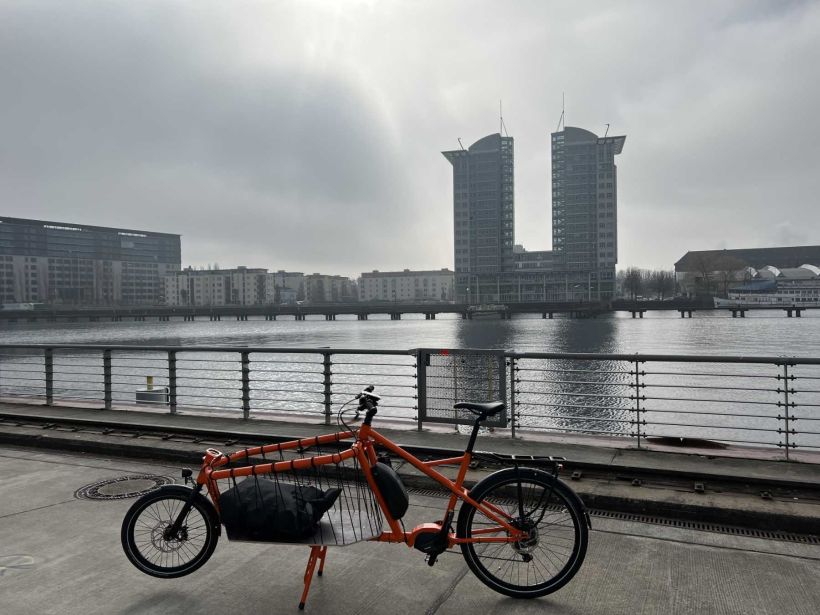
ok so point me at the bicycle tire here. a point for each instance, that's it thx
(550, 561)
(142, 533)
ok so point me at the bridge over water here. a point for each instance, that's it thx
(363, 311)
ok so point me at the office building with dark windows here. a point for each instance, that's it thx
(490, 268)
(77, 264)
(483, 217)
(585, 212)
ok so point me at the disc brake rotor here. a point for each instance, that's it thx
(161, 543)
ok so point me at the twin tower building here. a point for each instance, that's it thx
(490, 268)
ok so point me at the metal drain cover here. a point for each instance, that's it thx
(122, 487)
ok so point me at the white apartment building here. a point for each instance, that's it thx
(289, 286)
(240, 286)
(322, 288)
(407, 286)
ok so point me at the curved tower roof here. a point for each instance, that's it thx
(487, 144)
(577, 135)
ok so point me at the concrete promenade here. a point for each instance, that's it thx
(704, 485)
(60, 554)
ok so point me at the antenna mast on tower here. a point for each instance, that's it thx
(502, 128)
(562, 119)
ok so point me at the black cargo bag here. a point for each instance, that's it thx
(265, 510)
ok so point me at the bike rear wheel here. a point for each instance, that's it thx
(555, 522)
(146, 540)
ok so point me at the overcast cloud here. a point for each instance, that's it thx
(306, 135)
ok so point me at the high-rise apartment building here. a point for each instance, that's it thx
(78, 264)
(483, 218)
(585, 212)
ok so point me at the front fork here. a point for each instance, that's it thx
(172, 532)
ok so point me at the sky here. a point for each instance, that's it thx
(306, 135)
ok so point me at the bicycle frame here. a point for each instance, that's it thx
(363, 505)
(364, 449)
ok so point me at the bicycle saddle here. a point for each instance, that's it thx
(490, 409)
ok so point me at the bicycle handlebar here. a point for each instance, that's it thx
(368, 393)
(368, 401)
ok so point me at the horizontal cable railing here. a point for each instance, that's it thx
(711, 401)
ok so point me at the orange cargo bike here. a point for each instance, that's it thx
(522, 531)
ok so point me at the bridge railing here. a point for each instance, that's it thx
(712, 402)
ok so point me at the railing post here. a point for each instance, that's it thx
(328, 386)
(421, 387)
(172, 381)
(786, 404)
(512, 397)
(49, 375)
(638, 384)
(107, 395)
(246, 385)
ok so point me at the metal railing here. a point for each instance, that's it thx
(717, 400)
(714, 401)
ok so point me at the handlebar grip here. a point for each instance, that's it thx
(367, 393)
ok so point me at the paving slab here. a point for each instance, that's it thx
(62, 555)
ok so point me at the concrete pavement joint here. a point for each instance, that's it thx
(22, 512)
(28, 449)
(707, 546)
(445, 595)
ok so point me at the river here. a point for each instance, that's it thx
(715, 333)
(707, 401)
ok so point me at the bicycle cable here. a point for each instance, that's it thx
(340, 419)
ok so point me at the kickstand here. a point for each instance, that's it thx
(317, 553)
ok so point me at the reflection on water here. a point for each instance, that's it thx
(595, 335)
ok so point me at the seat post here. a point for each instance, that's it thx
(474, 435)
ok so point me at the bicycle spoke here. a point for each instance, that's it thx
(149, 534)
(548, 546)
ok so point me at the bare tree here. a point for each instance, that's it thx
(704, 266)
(662, 283)
(620, 285)
(633, 282)
(728, 269)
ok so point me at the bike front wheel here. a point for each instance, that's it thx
(146, 539)
(550, 513)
